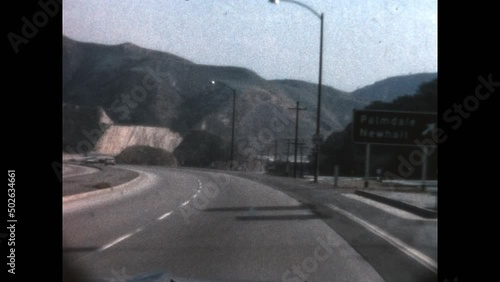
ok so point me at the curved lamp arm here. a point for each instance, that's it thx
(300, 4)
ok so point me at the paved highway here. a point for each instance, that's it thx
(70, 170)
(207, 226)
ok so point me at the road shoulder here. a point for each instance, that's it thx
(420, 236)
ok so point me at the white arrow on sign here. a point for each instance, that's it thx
(430, 128)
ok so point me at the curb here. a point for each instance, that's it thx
(122, 186)
(423, 212)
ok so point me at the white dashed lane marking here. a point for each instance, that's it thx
(165, 215)
(120, 239)
(124, 237)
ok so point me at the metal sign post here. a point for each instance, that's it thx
(367, 164)
(336, 175)
(424, 167)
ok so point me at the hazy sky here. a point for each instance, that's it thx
(364, 40)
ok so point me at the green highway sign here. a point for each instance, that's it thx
(392, 127)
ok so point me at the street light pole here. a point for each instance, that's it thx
(232, 130)
(316, 153)
(318, 114)
(231, 157)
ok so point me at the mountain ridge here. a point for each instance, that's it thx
(142, 87)
(390, 88)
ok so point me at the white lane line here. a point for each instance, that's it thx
(115, 242)
(196, 194)
(120, 239)
(411, 252)
(165, 215)
(392, 210)
(185, 203)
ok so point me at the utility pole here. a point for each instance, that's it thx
(302, 145)
(297, 109)
(231, 157)
(287, 155)
(287, 151)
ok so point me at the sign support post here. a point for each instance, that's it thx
(367, 164)
(424, 167)
(336, 175)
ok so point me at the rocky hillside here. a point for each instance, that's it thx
(153, 98)
(117, 137)
(136, 86)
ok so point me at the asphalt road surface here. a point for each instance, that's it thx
(70, 170)
(209, 226)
